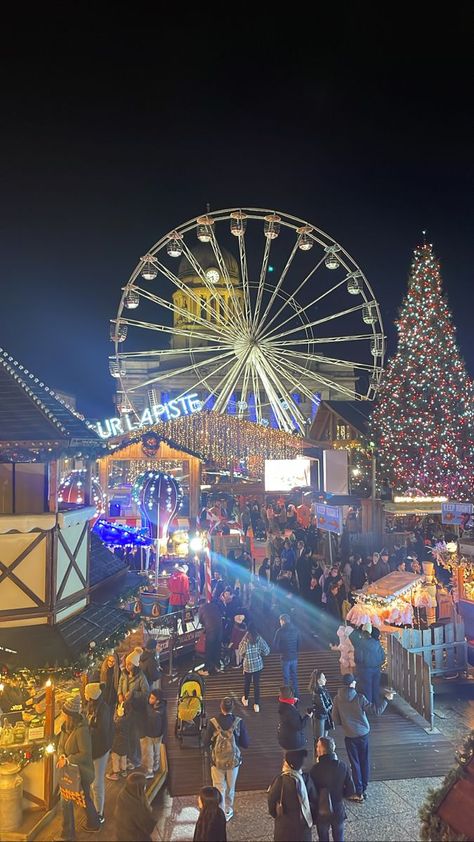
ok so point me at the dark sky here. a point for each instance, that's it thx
(114, 132)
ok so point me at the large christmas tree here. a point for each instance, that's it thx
(423, 421)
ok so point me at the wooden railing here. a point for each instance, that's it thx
(443, 648)
(410, 675)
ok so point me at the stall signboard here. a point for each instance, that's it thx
(285, 474)
(329, 518)
(456, 514)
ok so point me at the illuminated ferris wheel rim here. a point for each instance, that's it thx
(260, 343)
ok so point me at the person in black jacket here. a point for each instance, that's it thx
(211, 824)
(210, 618)
(150, 664)
(120, 744)
(134, 820)
(322, 705)
(225, 779)
(287, 643)
(358, 574)
(335, 776)
(99, 717)
(369, 657)
(294, 790)
(152, 728)
(291, 726)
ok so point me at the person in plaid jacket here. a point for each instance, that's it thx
(253, 648)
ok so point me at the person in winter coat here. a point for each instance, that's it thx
(358, 574)
(252, 649)
(74, 747)
(133, 692)
(211, 824)
(335, 776)
(349, 710)
(178, 585)
(225, 779)
(150, 664)
(294, 790)
(152, 728)
(99, 717)
(368, 657)
(133, 817)
(291, 725)
(321, 704)
(109, 676)
(287, 643)
(210, 618)
(120, 747)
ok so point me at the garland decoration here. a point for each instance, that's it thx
(433, 828)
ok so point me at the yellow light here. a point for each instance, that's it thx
(50, 748)
(49, 683)
(420, 499)
(2, 687)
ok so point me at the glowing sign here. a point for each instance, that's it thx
(186, 405)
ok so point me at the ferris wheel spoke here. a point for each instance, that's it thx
(192, 334)
(277, 288)
(261, 282)
(320, 378)
(232, 379)
(179, 284)
(296, 385)
(214, 291)
(205, 379)
(181, 311)
(265, 368)
(229, 285)
(324, 340)
(299, 311)
(256, 394)
(292, 299)
(170, 352)
(281, 416)
(176, 372)
(321, 321)
(244, 390)
(321, 358)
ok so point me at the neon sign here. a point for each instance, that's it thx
(186, 405)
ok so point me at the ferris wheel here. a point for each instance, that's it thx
(257, 312)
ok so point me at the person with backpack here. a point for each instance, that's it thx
(226, 734)
(333, 782)
(252, 649)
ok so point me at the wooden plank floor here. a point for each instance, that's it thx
(399, 748)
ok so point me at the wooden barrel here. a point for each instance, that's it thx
(11, 797)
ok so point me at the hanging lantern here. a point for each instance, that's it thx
(149, 270)
(71, 491)
(132, 299)
(174, 247)
(159, 497)
(238, 223)
(118, 332)
(305, 242)
(204, 229)
(355, 283)
(376, 346)
(331, 261)
(369, 314)
(116, 369)
(271, 227)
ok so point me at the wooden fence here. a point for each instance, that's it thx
(410, 676)
(443, 648)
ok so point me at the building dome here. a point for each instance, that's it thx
(206, 258)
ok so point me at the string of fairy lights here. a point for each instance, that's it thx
(423, 422)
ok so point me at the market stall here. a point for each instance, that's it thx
(398, 599)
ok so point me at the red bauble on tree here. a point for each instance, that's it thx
(423, 422)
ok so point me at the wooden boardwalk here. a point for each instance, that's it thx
(399, 748)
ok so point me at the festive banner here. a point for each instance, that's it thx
(457, 514)
(329, 518)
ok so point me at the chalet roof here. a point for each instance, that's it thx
(31, 412)
(356, 413)
(103, 563)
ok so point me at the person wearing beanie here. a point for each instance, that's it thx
(133, 692)
(350, 711)
(291, 725)
(295, 791)
(150, 664)
(74, 747)
(99, 717)
(134, 820)
(225, 779)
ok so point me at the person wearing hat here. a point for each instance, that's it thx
(74, 747)
(225, 779)
(294, 790)
(99, 717)
(134, 821)
(178, 586)
(133, 691)
(150, 664)
(350, 711)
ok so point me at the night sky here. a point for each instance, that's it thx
(113, 133)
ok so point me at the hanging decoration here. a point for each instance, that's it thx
(72, 489)
(159, 497)
(150, 444)
(121, 535)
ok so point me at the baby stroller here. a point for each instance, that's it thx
(191, 712)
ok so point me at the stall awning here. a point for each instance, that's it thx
(393, 585)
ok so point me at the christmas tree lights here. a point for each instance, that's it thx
(423, 422)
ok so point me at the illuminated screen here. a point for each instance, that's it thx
(285, 474)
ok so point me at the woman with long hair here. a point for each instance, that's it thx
(321, 704)
(134, 820)
(211, 824)
(252, 649)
